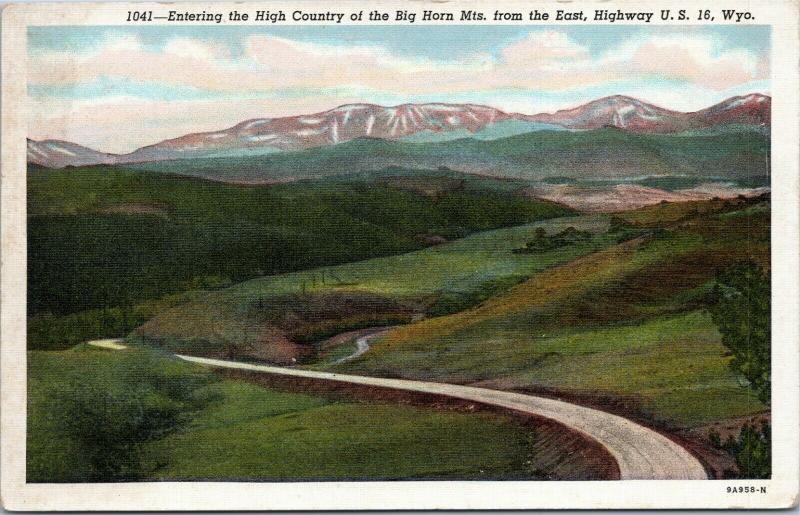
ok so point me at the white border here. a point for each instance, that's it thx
(782, 489)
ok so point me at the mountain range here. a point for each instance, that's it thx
(414, 123)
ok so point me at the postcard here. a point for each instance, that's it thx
(420, 255)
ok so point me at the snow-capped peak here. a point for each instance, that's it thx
(351, 121)
(752, 98)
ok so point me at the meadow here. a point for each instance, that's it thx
(238, 431)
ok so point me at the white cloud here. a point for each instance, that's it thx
(194, 49)
(694, 58)
(543, 46)
(545, 58)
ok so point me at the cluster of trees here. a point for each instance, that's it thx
(741, 310)
(50, 332)
(542, 242)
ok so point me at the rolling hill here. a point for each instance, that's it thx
(611, 302)
(113, 240)
(627, 324)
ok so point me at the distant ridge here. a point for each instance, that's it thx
(411, 122)
(636, 116)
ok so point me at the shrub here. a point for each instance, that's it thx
(618, 224)
(541, 242)
(752, 451)
(741, 312)
(110, 416)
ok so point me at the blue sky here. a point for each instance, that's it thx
(434, 42)
(164, 81)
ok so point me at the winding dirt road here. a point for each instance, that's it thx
(362, 346)
(641, 453)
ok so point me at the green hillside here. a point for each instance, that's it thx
(625, 323)
(264, 316)
(103, 240)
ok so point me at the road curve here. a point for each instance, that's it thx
(362, 346)
(641, 453)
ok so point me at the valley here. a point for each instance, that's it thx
(573, 259)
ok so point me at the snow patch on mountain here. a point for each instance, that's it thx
(420, 123)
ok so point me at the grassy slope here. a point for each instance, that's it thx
(439, 279)
(112, 238)
(308, 438)
(733, 154)
(255, 433)
(625, 321)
